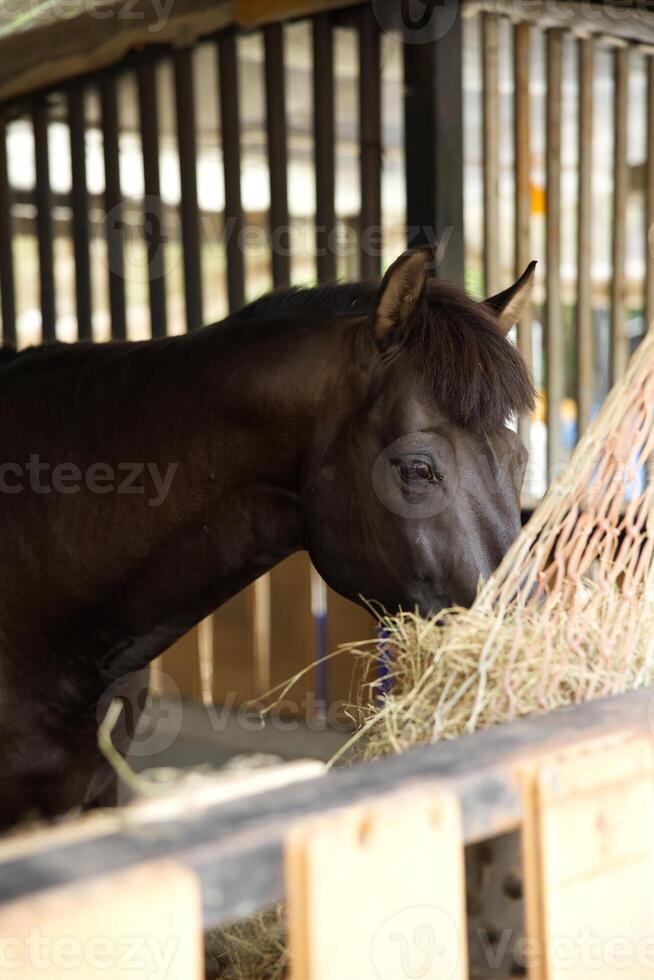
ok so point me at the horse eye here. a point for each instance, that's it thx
(417, 469)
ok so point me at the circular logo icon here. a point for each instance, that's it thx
(145, 235)
(396, 480)
(419, 941)
(417, 21)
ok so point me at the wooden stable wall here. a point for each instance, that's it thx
(238, 672)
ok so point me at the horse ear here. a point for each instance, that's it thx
(401, 293)
(510, 304)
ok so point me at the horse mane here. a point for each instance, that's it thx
(477, 375)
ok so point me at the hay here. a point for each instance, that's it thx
(254, 949)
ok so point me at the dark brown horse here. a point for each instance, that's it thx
(143, 484)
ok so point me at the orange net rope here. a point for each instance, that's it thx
(569, 614)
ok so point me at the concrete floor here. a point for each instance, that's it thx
(183, 734)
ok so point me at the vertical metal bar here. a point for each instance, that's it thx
(522, 166)
(491, 129)
(186, 141)
(433, 140)
(113, 203)
(80, 207)
(43, 196)
(324, 145)
(649, 198)
(619, 340)
(231, 144)
(554, 318)
(7, 283)
(370, 140)
(277, 159)
(585, 345)
(153, 211)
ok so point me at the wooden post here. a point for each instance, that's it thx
(588, 858)
(619, 339)
(554, 316)
(522, 157)
(491, 128)
(143, 922)
(585, 345)
(377, 891)
(433, 139)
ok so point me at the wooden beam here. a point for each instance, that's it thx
(554, 341)
(230, 140)
(153, 216)
(433, 140)
(276, 131)
(43, 196)
(585, 341)
(324, 138)
(7, 280)
(619, 339)
(236, 848)
(490, 28)
(370, 144)
(186, 145)
(79, 196)
(522, 158)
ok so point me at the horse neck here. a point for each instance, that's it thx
(253, 408)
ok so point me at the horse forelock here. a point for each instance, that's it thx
(477, 375)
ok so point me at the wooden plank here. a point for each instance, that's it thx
(585, 342)
(554, 341)
(230, 129)
(190, 215)
(491, 163)
(113, 201)
(253, 13)
(370, 145)
(619, 339)
(80, 42)
(522, 165)
(237, 848)
(153, 212)
(79, 197)
(131, 922)
(588, 859)
(649, 198)
(403, 863)
(433, 142)
(276, 131)
(7, 281)
(44, 221)
(324, 138)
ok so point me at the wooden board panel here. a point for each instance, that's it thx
(403, 910)
(346, 623)
(589, 861)
(177, 671)
(139, 923)
(233, 643)
(292, 638)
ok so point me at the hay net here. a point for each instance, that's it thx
(569, 614)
